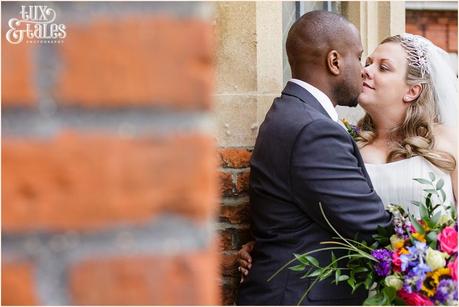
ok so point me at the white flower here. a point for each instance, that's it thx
(394, 282)
(444, 219)
(435, 259)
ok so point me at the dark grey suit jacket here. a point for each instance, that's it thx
(303, 157)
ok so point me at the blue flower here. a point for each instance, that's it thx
(446, 292)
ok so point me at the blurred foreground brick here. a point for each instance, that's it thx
(147, 280)
(137, 62)
(18, 284)
(18, 68)
(86, 182)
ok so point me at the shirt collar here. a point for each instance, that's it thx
(323, 99)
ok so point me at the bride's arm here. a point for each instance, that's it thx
(446, 140)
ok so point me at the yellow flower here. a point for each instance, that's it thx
(419, 237)
(404, 251)
(440, 274)
(396, 242)
(429, 285)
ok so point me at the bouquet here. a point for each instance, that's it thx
(415, 263)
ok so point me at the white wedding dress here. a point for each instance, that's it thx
(394, 182)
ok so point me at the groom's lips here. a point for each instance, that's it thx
(366, 84)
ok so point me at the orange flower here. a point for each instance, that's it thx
(419, 237)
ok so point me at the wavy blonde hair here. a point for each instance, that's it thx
(416, 130)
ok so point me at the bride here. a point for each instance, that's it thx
(409, 95)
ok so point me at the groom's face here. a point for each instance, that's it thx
(350, 86)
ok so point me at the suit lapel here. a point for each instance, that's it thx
(361, 163)
(293, 89)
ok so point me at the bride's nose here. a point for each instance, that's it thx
(366, 72)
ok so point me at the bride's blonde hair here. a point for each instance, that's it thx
(415, 132)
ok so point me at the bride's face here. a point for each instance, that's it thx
(384, 79)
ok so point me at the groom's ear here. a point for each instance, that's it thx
(333, 62)
(413, 93)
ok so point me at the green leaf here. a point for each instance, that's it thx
(326, 275)
(337, 276)
(416, 225)
(436, 217)
(432, 176)
(343, 278)
(423, 211)
(376, 300)
(315, 273)
(417, 203)
(312, 260)
(422, 181)
(389, 293)
(351, 282)
(301, 259)
(440, 184)
(443, 195)
(361, 269)
(297, 268)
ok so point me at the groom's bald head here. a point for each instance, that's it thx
(319, 46)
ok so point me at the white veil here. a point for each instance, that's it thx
(435, 61)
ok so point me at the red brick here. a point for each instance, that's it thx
(235, 157)
(230, 264)
(18, 287)
(226, 184)
(18, 71)
(137, 62)
(452, 38)
(413, 29)
(88, 182)
(225, 240)
(242, 183)
(235, 214)
(437, 34)
(188, 279)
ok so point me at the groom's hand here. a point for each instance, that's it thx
(245, 260)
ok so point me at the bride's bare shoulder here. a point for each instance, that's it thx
(445, 139)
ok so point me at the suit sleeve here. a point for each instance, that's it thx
(324, 169)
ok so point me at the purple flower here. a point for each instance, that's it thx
(384, 265)
(412, 282)
(415, 253)
(446, 292)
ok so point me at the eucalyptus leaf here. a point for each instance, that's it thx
(422, 181)
(315, 273)
(432, 176)
(443, 195)
(343, 277)
(440, 184)
(312, 260)
(297, 268)
(416, 225)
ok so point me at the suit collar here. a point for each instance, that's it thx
(293, 89)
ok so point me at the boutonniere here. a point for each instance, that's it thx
(353, 130)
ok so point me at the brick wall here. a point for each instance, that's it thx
(438, 26)
(234, 221)
(109, 183)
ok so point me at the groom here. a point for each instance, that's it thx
(303, 156)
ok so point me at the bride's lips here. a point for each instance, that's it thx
(367, 85)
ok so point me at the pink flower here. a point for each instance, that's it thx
(448, 240)
(396, 262)
(414, 299)
(452, 266)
